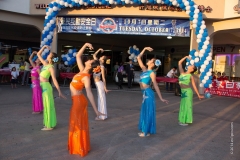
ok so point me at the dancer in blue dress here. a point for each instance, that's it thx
(147, 121)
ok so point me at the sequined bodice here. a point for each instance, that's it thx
(145, 77)
(34, 72)
(184, 79)
(77, 81)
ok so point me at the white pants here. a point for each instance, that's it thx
(102, 107)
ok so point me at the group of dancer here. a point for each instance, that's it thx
(79, 139)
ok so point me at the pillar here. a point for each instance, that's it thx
(54, 49)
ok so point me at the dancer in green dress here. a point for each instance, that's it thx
(186, 110)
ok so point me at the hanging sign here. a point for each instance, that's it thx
(131, 26)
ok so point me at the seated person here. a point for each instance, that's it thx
(224, 77)
(219, 76)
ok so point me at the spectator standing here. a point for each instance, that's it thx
(130, 74)
(26, 72)
(171, 74)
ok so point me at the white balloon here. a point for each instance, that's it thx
(49, 25)
(194, 25)
(127, 1)
(188, 8)
(70, 5)
(196, 54)
(186, 3)
(115, 3)
(201, 31)
(50, 10)
(130, 57)
(58, 1)
(206, 62)
(192, 62)
(199, 36)
(143, 1)
(194, 21)
(198, 40)
(206, 78)
(204, 81)
(203, 22)
(206, 42)
(203, 26)
(201, 70)
(196, 59)
(196, 11)
(174, 3)
(195, 16)
(209, 58)
(210, 54)
(51, 33)
(159, 1)
(209, 74)
(55, 8)
(134, 46)
(62, 3)
(187, 63)
(200, 55)
(45, 40)
(52, 22)
(47, 13)
(208, 38)
(81, 2)
(202, 51)
(49, 37)
(170, 0)
(210, 86)
(187, 12)
(74, 54)
(68, 58)
(76, 1)
(203, 66)
(66, 63)
(66, 4)
(46, 17)
(128, 52)
(85, 3)
(204, 46)
(135, 60)
(100, 3)
(201, 85)
(62, 55)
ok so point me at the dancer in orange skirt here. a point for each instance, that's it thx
(79, 139)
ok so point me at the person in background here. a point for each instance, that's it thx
(224, 77)
(14, 75)
(171, 74)
(219, 76)
(120, 75)
(61, 67)
(129, 72)
(21, 62)
(115, 70)
(26, 72)
(213, 76)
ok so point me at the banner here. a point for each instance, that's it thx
(130, 26)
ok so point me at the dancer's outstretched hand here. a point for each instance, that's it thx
(89, 45)
(106, 90)
(164, 100)
(149, 49)
(99, 114)
(200, 97)
(61, 95)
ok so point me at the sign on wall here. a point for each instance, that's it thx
(131, 26)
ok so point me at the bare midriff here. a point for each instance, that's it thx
(143, 86)
(75, 92)
(97, 79)
(34, 78)
(43, 79)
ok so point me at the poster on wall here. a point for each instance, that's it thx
(130, 26)
(223, 63)
(235, 65)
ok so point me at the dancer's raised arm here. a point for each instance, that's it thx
(95, 54)
(180, 64)
(39, 54)
(31, 57)
(80, 53)
(139, 58)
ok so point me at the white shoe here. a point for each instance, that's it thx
(182, 124)
(142, 134)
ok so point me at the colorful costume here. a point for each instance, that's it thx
(49, 113)
(185, 112)
(78, 137)
(102, 106)
(147, 121)
(37, 91)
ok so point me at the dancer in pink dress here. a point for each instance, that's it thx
(37, 103)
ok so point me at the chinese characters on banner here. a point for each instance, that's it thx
(131, 26)
(222, 88)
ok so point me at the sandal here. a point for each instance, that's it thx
(99, 119)
(142, 134)
(46, 129)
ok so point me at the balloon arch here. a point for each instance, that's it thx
(201, 58)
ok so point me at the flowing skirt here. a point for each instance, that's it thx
(186, 111)
(49, 113)
(147, 121)
(37, 103)
(78, 137)
(102, 106)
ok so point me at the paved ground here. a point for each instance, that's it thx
(208, 138)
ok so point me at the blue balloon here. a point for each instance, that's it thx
(55, 4)
(207, 94)
(191, 3)
(192, 9)
(191, 14)
(69, 1)
(50, 5)
(179, 1)
(182, 6)
(191, 18)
